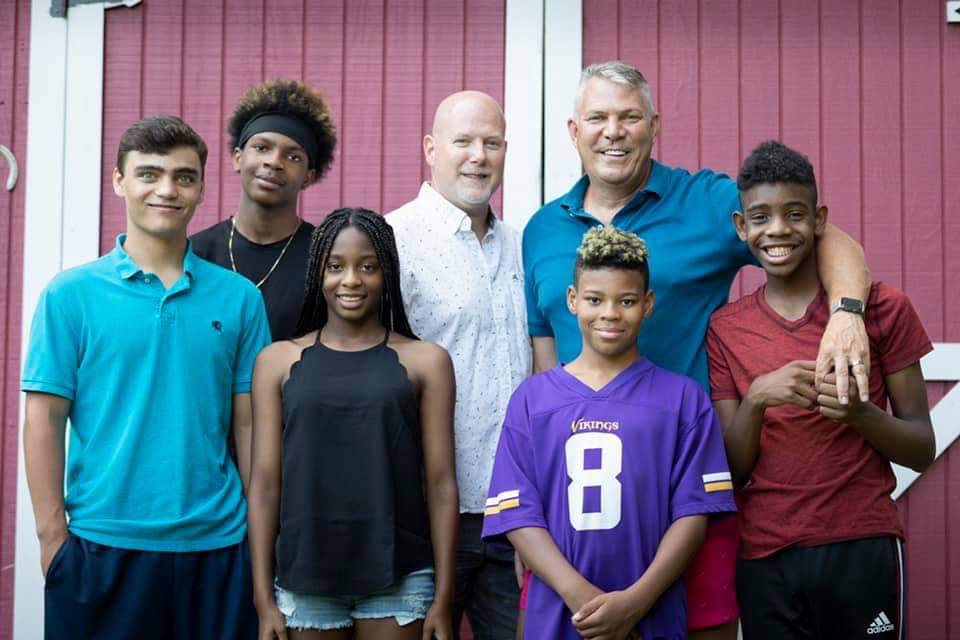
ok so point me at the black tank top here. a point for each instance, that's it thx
(353, 518)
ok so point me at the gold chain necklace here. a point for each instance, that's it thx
(233, 263)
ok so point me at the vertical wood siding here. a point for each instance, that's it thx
(869, 91)
(14, 58)
(382, 65)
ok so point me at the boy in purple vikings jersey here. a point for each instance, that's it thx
(608, 466)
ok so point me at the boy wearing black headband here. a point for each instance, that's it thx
(282, 139)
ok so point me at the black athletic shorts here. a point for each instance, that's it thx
(842, 591)
(96, 591)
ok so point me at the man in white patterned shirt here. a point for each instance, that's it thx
(462, 282)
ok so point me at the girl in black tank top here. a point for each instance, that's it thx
(352, 487)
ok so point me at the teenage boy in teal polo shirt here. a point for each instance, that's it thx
(148, 351)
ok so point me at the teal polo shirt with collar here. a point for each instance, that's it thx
(694, 256)
(151, 374)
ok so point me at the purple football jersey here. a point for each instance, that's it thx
(606, 473)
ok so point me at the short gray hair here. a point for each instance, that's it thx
(615, 71)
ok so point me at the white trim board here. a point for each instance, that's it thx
(63, 126)
(523, 108)
(941, 364)
(563, 61)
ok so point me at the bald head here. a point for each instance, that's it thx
(467, 103)
(466, 149)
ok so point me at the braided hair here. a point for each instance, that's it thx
(612, 248)
(392, 315)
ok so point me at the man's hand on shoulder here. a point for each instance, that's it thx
(845, 345)
(790, 384)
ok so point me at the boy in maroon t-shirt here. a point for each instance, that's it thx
(820, 538)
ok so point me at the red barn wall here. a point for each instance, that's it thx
(868, 89)
(382, 65)
(14, 71)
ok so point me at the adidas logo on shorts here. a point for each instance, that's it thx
(880, 624)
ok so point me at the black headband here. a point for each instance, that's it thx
(290, 126)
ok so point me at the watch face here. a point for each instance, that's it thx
(851, 305)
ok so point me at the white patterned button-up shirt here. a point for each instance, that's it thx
(467, 296)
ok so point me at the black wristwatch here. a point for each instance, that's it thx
(851, 305)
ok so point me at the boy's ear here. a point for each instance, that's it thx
(741, 225)
(572, 299)
(117, 182)
(651, 298)
(820, 219)
(235, 158)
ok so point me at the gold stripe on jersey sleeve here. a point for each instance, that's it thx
(710, 487)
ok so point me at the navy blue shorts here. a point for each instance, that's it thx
(96, 591)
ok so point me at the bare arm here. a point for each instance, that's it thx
(844, 273)
(741, 420)
(612, 615)
(242, 435)
(263, 497)
(540, 554)
(436, 419)
(544, 353)
(906, 437)
(44, 426)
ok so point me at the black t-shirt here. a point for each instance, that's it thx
(283, 291)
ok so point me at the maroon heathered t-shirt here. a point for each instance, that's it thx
(816, 481)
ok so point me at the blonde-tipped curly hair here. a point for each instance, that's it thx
(612, 248)
(291, 98)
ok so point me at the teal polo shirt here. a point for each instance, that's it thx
(151, 374)
(694, 256)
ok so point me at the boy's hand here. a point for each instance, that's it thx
(790, 384)
(829, 401)
(50, 545)
(609, 616)
(581, 595)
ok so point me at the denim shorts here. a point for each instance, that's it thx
(406, 601)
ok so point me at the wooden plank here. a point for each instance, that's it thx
(122, 106)
(323, 70)
(840, 113)
(679, 86)
(13, 126)
(882, 178)
(719, 86)
(203, 108)
(162, 57)
(243, 66)
(283, 39)
(443, 59)
(363, 103)
(403, 102)
(800, 80)
(759, 90)
(600, 18)
(637, 29)
(484, 33)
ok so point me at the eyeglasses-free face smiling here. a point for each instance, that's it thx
(353, 278)
(614, 130)
(610, 305)
(161, 191)
(780, 223)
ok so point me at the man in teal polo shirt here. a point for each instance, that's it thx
(148, 351)
(695, 254)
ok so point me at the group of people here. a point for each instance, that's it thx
(377, 426)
